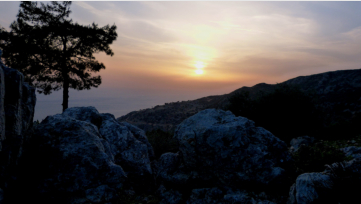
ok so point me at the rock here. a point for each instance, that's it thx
(67, 157)
(311, 188)
(205, 195)
(2, 104)
(140, 135)
(339, 183)
(87, 114)
(220, 151)
(216, 195)
(82, 156)
(1, 193)
(28, 107)
(231, 150)
(169, 170)
(296, 143)
(352, 151)
(169, 196)
(17, 103)
(13, 99)
(129, 152)
(128, 144)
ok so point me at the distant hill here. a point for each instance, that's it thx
(339, 92)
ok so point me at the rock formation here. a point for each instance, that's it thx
(339, 183)
(220, 150)
(17, 103)
(81, 156)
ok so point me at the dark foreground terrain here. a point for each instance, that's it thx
(215, 153)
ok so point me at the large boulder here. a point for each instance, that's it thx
(219, 150)
(2, 104)
(339, 183)
(17, 103)
(231, 149)
(82, 156)
(129, 145)
(311, 188)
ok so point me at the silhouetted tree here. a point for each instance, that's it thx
(53, 52)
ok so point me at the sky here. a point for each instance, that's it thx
(179, 51)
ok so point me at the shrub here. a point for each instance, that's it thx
(287, 112)
(313, 158)
(162, 142)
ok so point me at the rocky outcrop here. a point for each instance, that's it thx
(2, 104)
(339, 183)
(231, 148)
(296, 143)
(81, 156)
(17, 103)
(219, 149)
(354, 152)
(128, 144)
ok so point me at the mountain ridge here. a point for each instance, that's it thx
(333, 88)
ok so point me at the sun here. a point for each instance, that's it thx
(199, 71)
(199, 64)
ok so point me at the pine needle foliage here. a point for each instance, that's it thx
(52, 51)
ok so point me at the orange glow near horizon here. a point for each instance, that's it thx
(172, 50)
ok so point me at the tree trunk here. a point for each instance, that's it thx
(65, 73)
(65, 91)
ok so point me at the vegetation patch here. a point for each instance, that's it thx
(162, 142)
(313, 158)
(287, 112)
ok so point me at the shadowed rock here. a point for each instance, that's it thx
(82, 156)
(231, 149)
(339, 183)
(218, 149)
(297, 142)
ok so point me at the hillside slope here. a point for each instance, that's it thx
(339, 92)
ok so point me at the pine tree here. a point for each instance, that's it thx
(53, 52)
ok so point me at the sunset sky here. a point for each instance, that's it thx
(176, 51)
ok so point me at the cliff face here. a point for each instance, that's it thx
(339, 92)
(17, 103)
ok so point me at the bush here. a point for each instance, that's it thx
(313, 158)
(287, 112)
(162, 142)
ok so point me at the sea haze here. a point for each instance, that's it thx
(116, 102)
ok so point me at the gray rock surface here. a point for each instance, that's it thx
(1, 195)
(17, 103)
(217, 196)
(71, 157)
(297, 142)
(131, 153)
(220, 151)
(230, 149)
(2, 104)
(82, 156)
(129, 145)
(169, 196)
(13, 99)
(339, 183)
(206, 195)
(311, 188)
(352, 151)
